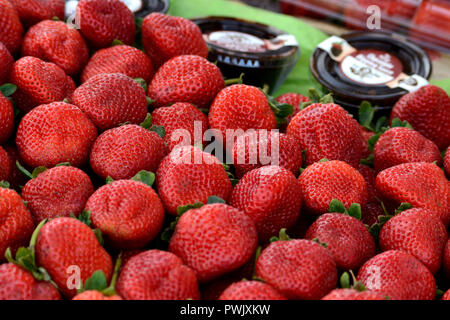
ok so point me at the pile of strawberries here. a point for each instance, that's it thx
(102, 198)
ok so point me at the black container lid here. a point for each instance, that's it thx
(412, 60)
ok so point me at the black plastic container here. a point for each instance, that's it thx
(402, 56)
(265, 55)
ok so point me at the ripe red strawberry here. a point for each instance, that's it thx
(18, 284)
(186, 78)
(371, 212)
(16, 223)
(188, 175)
(322, 182)
(399, 276)
(56, 42)
(255, 149)
(57, 192)
(33, 11)
(11, 28)
(6, 61)
(241, 107)
(446, 259)
(421, 184)
(95, 295)
(271, 197)
(67, 242)
(352, 294)
(165, 37)
(55, 133)
(251, 290)
(129, 213)
(346, 237)
(370, 176)
(295, 100)
(111, 99)
(366, 135)
(157, 275)
(327, 131)
(39, 82)
(5, 165)
(418, 232)
(447, 162)
(180, 121)
(6, 119)
(103, 21)
(214, 240)
(446, 295)
(298, 269)
(428, 111)
(119, 59)
(16, 178)
(122, 152)
(402, 145)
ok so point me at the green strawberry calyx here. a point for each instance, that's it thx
(239, 80)
(147, 124)
(348, 281)
(98, 281)
(26, 258)
(376, 227)
(337, 206)
(282, 236)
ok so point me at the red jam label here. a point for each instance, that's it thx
(371, 67)
(237, 41)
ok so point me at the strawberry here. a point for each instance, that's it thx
(188, 175)
(34, 11)
(251, 290)
(179, 121)
(95, 295)
(418, 232)
(165, 37)
(241, 107)
(421, 184)
(129, 213)
(55, 133)
(5, 165)
(271, 196)
(254, 149)
(119, 59)
(446, 295)
(403, 145)
(346, 237)
(6, 119)
(322, 182)
(446, 259)
(60, 191)
(11, 29)
(428, 111)
(103, 21)
(447, 162)
(56, 42)
(39, 82)
(352, 294)
(366, 135)
(298, 269)
(399, 276)
(186, 78)
(371, 212)
(18, 284)
(16, 177)
(327, 131)
(295, 100)
(122, 152)
(16, 223)
(6, 61)
(111, 99)
(370, 176)
(67, 242)
(157, 275)
(214, 240)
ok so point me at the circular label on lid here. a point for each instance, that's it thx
(371, 67)
(237, 41)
